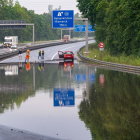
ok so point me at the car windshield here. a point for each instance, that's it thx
(68, 53)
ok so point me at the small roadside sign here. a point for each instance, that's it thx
(63, 19)
(101, 46)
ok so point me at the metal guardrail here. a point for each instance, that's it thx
(110, 65)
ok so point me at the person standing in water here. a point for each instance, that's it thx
(42, 54)
(27, 57)
(20, 54)
(39, 54)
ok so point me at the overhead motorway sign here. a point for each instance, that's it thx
(82, 28)
(63, 19)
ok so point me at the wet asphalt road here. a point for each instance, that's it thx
(51, 53)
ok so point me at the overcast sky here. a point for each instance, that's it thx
(41, 6)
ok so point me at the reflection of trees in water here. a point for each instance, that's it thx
(10, 99)
(53, 76)
(113, 110)
(14, 90)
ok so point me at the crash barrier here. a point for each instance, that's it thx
(110, 65)
(34, 47)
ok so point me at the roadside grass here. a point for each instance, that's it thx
(95, 53)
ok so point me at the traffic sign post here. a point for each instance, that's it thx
(86, 23)
(101, 46)
(86, 32)
(63, 19)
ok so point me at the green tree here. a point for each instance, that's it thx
(117, 23)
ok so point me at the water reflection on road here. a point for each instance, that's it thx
(43, 98)
(112, 110)
(71, 101)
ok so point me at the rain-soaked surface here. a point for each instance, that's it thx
(70, 101)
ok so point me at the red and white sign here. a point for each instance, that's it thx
(101, 79)
(101, 45)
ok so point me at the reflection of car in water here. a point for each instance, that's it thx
(67, 65)
(67, 55)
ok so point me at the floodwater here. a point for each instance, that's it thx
(70, 101)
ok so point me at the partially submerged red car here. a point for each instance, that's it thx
(67, 55)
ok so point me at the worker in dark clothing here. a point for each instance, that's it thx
(42, 54)
(20, 54)
(39, 54)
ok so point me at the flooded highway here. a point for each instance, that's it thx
(70, 100)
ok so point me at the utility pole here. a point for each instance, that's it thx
(33, 33)
(86, 33)
(61, 34)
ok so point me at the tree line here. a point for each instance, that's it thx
(10, 10)
(14, 11)
(117, 23)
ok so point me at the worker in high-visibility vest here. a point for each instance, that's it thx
(27, 57)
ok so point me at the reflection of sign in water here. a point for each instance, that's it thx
(84, 77)
(11, 70)
(101, 79)
(64, 97)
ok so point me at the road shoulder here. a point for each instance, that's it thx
(7, 133)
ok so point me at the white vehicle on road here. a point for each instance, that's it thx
(10, 41)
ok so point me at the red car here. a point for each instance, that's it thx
(66, 55)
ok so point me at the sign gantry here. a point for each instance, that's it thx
(16, 24)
